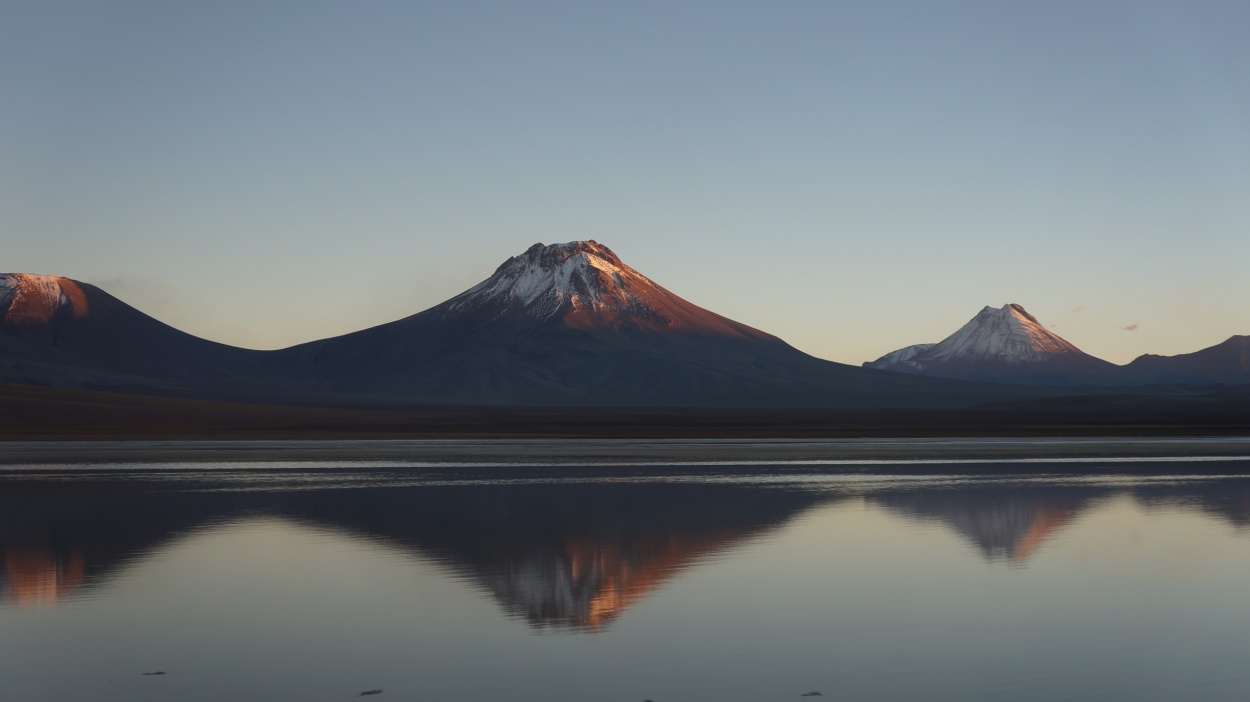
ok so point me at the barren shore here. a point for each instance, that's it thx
(822, 455)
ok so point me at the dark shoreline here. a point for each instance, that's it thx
(530, 458)
(30, 412)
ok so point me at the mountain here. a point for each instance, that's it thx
(57, 331)
(565, 325)
(1227, 362)
(571, 324)
(1001, 345)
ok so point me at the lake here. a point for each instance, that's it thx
(553, 570)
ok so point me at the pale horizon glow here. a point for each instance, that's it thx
(851, 178)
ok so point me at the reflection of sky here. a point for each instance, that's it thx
(849, 598)
(811, 169)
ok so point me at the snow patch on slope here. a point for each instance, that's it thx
(27, 299)
(895, 357)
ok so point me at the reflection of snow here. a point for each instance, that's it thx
(586, 585)
(34, 577)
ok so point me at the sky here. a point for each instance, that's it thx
(851, 176)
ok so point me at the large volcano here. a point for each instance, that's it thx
(571, 324)
(583, 285)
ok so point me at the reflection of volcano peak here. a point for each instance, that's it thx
(569, 555)
(566, 555)
(572, 555)
(586, 584)
(1004, 523)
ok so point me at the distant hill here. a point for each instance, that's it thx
(1227, 362)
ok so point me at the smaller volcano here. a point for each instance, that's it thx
(1001, 345)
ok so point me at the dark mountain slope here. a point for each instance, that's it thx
(56, 331)
(567, 325)
(1227, 362)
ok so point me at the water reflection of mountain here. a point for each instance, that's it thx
(1010, 522)
(565, 555)
(569, 555)
(56, 540)
(1004, 523)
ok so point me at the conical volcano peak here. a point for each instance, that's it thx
(27, 299)
(1008, 333)
(1000, 344)
(575, 277)
(584, 285)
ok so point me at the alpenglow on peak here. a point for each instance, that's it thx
(578, 275)
(27, 299)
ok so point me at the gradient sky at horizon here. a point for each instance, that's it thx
(853, 177)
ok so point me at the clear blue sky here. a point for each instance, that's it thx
(851, 176)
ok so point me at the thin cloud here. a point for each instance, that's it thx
(1078, 309)
(1131, 327)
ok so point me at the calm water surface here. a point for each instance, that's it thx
(306, 580)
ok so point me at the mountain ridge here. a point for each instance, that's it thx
(571, 323)
(1225, 362)
(558, 325)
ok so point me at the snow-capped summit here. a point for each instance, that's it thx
(584, 284)
(1005, 344)
(27, 299)
(1008, 334)
(545, 279)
